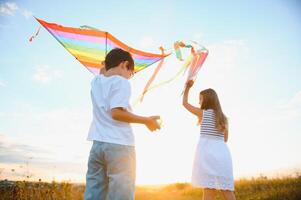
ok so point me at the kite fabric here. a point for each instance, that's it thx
(90, 46)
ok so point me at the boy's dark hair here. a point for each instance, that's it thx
(116, 56)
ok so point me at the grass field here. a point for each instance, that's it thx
(285, 188)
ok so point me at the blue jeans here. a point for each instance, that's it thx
(111, 172)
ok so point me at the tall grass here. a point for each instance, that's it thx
(285, 188)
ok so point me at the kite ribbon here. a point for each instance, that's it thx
(188, 62)
(177, 46)
(35, 35)
(152, 78)
(198, 61)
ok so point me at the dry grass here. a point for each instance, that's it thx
(286, 188)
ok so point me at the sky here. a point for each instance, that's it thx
(254, 65)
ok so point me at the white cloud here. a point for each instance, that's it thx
(52, 140)
(292, 108)
(27, 14)
(14, 151)
(287, 112)
(2, 84)
(44, 74)
(295, 101)
(227, 54)
(20, 159)
(8, 8)
(146, 42)
(198, 36)
(52, 129)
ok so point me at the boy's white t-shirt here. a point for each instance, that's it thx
(107, 93)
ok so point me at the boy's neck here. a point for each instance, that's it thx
(112, 72)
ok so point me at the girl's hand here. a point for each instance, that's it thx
(189, 84)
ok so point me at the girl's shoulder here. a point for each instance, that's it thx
(209, 111)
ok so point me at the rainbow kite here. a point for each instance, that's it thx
(90, 46)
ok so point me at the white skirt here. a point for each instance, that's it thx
(212, 167)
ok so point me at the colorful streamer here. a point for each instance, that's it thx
(198, 61)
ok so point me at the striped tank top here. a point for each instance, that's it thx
(208, 124)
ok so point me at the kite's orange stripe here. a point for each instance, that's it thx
(132, 50)
(90, 64)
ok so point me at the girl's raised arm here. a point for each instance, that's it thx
(194, 110)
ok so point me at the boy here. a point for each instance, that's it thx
(112, 162)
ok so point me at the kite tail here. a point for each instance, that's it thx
(195, 67)
(177, 45)
(35, 34)
(199, 58)
(182, 69)
(148, 86)
(151, 79)
(178, 51)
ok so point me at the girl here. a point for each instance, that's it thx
(212, 169)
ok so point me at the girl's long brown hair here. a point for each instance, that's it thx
(210, 101)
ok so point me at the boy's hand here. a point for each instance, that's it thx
(152, 123)
(189, 84)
